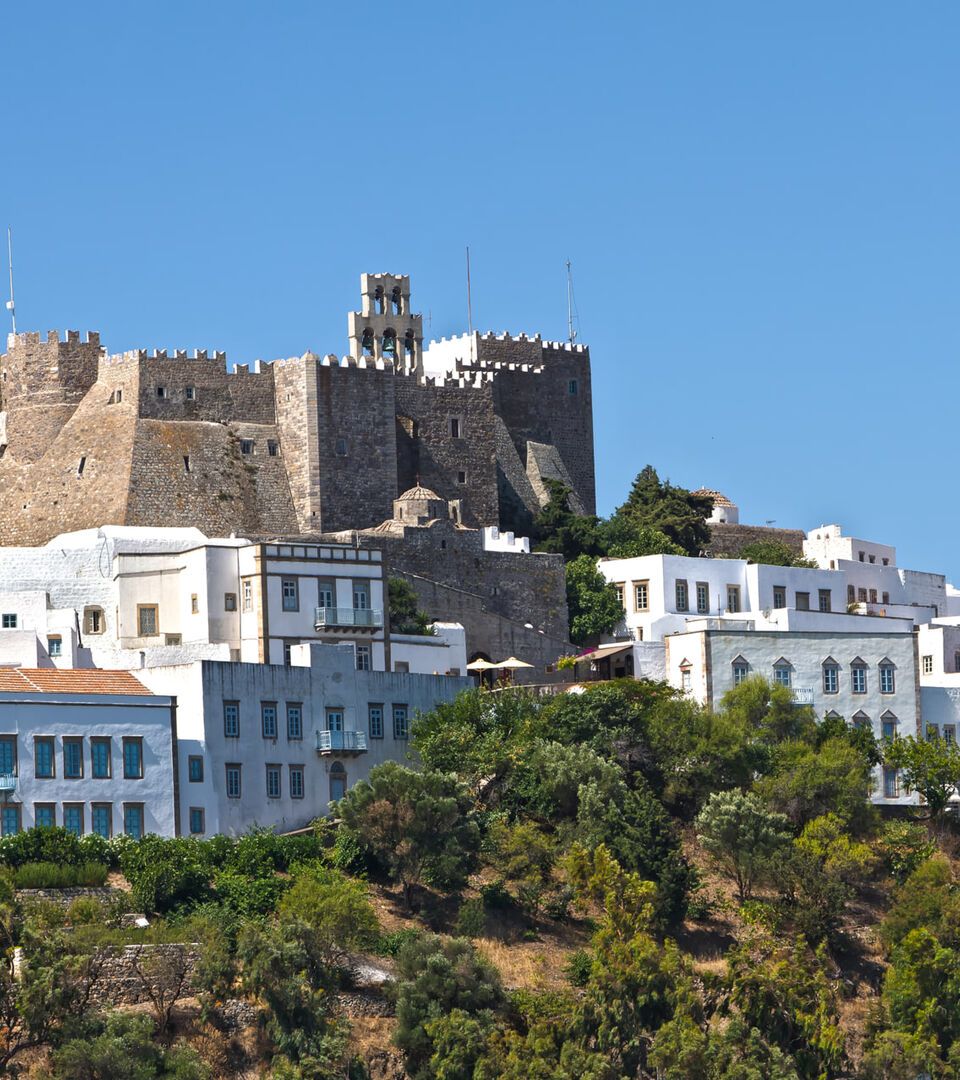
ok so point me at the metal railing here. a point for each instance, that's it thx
(8, 782)
(364, 618)
(329, 741)
(802, 696)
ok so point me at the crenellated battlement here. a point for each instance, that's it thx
(136, 355)
(70, 337)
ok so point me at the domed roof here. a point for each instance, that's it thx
(420, 492)
(719, 499)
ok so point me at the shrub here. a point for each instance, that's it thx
(577, 968)
(53, 845)
(249, 897)
(392, 943)
(903, 846)
(471, 919)
(47, 875)
(166, 874)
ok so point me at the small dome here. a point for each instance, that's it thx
(719, 499)
(419, 492)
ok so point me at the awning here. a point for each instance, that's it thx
(602, 652)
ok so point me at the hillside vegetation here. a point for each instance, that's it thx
(618, 883)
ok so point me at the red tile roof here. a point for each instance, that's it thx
(69, 681)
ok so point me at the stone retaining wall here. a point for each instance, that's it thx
(105, 893)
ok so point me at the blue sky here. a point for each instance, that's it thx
(760, 201)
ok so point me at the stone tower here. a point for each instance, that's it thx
(385, 328)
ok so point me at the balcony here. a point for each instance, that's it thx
(801, 696)
(338, 618)
(341, 742)
(8, 783)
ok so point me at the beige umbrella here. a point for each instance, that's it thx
(513, 664)
(480, 665)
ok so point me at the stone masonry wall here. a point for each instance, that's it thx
(729, 540)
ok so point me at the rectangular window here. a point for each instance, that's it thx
(231, 719)
(325, 594)
(43, 758)
(294, 720)
(703, 598)
(873, 596)
(926, 663)
(246, 592)
(195, 769)
(890, 787)
(191, 393)
(823, 599)
(858, 680)
(101, 819)
(147, 620)
(194, 604)
(375, 721)
(100, 764)
(572, 387)
(288, 644)
(956, 661)
(685, 679)
(133, 759)
(888, 729)
(886, 598)
(400, 722)
(10, 820)
(740, 673)
(8, 755)
(642, 595)
(268, 719)
(9, 621)
(361, 595)
(364, 657)
(73, 758)
(273, 448)
(950, 733)
(831, 679)
(886, 679)
(246, 446)
(779, 596)
(334, 720)
(54, 645)
(230, 601)
(197, 824)
(291, 594)
(133, 820)
(803, 601)
(461, 476)
(233, 781)
(862, 596)
(733, 598)
(296, 781)
(44, 815)
(851, 595)
(161, 392)
(781, 675)
(73, 818)
(172, 639)
(683, 601)
(454, 427)
(273, 781)
(619, 587)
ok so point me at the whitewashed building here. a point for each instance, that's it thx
(272, 745)
(92, 751)
(868, 679)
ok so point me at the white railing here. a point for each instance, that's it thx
(8, 783)
(802, 696)
(329, 741)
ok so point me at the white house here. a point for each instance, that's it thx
(88, 750)
(869, 679)
(273, 744)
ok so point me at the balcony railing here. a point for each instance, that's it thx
(351, 742)
(8, 783)
(802, 696)
(329, 618)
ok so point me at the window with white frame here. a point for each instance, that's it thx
(642, 595)
(733, 598)
(926, 665)
(401, 723)
(782, 672)
(890, 785)
(831, 676)
(375, 720)
(823, 599)
(741, 670)
(273, 781)
(887, 681)
(685, 678)
(246, 592)
(364, 657)
(234, 773)
(703, 598)
(858, 677)
(294, 720)
(296, 781)
(888, 726)
(291, 594)
(231, 719)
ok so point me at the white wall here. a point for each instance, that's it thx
(442, 653)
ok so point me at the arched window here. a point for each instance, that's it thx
(408, 344)
(888, 725)
(378, 300)
(831, 676)
(783, 672)
(366, 343)
(338, 781)
(389, 344)
(396, 300)
(860, 719)
(741, 670)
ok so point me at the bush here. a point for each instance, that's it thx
(471, 919)
(47, 875)
(249, 897)
(903, 846)
(53, 845)
(391, 944)
(577, 968)
(166, 874)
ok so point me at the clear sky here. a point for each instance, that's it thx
(760, 201)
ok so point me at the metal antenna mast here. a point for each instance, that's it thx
(572, 315)
(10, 304)
(469, 300)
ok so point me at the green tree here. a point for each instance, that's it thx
(643, 540)
(768, 713)
(742, 835)
(334, 909)
(591, 600)
(928, 899)
(436, 976)
(773, 553)
(166, 874)
(418, 825)
(921, 989)
(929, 766)
(560, 531)
(403, 606)
(524, 855)
(660, 505)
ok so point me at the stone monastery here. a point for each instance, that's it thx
(300, 446)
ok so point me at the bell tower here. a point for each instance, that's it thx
(385, 328)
